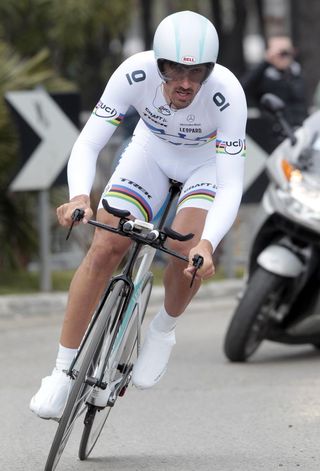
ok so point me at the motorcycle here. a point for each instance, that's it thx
(280, 301)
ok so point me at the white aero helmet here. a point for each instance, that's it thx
(186, 38)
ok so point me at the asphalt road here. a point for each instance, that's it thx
(206, 414)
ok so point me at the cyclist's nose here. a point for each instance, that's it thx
(185, 82)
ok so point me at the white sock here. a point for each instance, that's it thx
(163, 322)
(65, 357)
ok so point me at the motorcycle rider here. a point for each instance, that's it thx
(280, 74)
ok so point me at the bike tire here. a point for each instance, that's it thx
(249, 323)
(80, 391)
(96, 417)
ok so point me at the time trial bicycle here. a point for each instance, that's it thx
(102, 368)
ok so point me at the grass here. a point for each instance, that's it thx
(23, 282)
(28, 282)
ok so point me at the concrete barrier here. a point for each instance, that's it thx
(52, 303)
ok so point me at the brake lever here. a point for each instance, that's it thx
(77, 215)
(197, 262)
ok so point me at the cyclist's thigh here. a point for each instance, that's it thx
(189, 220)
(138, 184)
(196, 197)
(199, 189)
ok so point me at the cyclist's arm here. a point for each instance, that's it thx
(65, 211)
(230, 153)
(108, 114)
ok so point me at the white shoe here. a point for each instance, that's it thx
(152, 361)
(50, 400)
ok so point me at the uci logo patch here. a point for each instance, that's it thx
(103, 111)
(233, 147)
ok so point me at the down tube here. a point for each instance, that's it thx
(127, 315)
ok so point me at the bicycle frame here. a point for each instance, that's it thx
(147, 252)
(107, 363)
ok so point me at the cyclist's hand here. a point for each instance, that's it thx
(65, 211)
(203, 248)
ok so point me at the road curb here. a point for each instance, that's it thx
(52, 303)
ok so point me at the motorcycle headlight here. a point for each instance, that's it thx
(304, 192)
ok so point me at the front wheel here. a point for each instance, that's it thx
(84, 368)
(251, 320)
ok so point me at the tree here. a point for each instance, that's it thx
(230, 32)
(84, 37)
(147, 32)
(78, 39)
(306, 36)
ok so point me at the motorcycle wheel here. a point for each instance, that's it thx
(250, 322)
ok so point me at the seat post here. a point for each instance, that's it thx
(174, 190)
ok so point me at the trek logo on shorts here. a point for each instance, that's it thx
(232, 147)
(103, 111)
(136, 185)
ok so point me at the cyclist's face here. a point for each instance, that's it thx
(173, 71)
(182, 82)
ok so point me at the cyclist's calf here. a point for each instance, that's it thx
(182, 248)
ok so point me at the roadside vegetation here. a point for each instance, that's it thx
(23, 281)
(60, 46)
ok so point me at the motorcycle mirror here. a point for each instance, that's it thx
(272, 103)
(276, 106)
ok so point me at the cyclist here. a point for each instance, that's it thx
(191, 129)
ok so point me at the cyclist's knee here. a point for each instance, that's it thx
(108, 252)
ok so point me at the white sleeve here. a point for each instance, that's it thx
(230, 158)
(106, 117)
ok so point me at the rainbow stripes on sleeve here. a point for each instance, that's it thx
(116, 121)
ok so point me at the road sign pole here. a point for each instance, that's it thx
(57, 135)
(44, 237)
